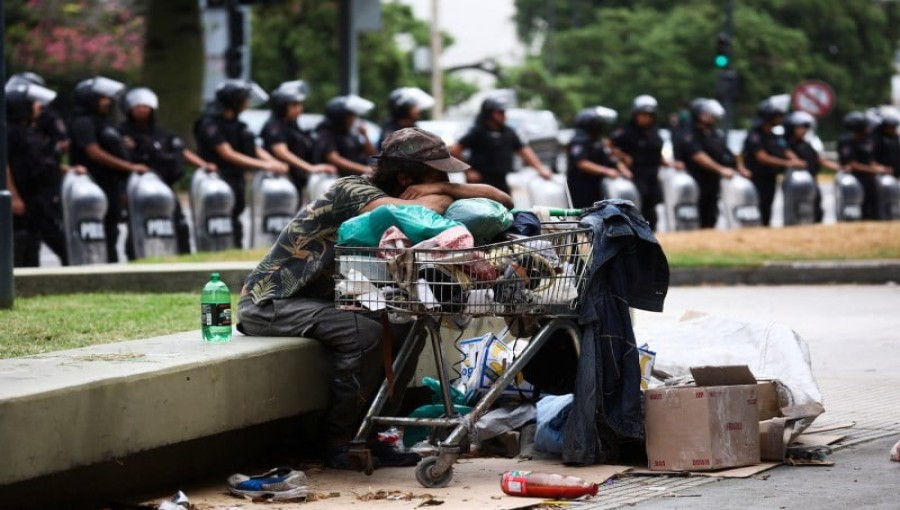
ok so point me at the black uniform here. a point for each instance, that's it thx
(805, 151)
(36, 176)
(299, 142)
(764, 176)
(854, 149)
(162, 151)
(644, 145)
(690, 141)
(586, 188)
(388, 127)
(212, 130)
(86, 130)
(347, 144)
(492, 152)
(886, 150)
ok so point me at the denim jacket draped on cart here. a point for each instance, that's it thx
(629, 269)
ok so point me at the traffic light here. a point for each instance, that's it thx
(723, 52)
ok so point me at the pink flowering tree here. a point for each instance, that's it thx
(66, 40)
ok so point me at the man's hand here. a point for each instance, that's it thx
(361, 129)
(18, 206)
(140, 168)
(544, 172)
(323, 168)
(677, 165)
(727, 173)
(210, 168)
(626, 173)
(473, 176)
(420, 190)
(276, 167)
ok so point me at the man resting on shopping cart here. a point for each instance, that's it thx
(291, 291)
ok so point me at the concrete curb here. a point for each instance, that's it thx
(190, 277)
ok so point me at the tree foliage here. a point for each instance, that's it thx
(298, 39)
(609, 51)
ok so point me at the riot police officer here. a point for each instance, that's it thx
(405, 107)
(886, 144)
(639, 146)
(158, 148)
(492, 144)
(223, 139)
(589, 158)
(283, 138)
(54, 141)
(32, 173)
(705, 154)
(855, 148)
(796, 126)
(766, 154)
(100, 147)
(343, 141)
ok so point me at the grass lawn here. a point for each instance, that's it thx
(53, 323)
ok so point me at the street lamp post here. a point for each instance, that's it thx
(6, 234)
(437, 75)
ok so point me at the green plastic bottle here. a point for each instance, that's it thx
(215, 310)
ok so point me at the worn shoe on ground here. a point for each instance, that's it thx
(278, 484)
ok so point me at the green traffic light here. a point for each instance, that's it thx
(721, 61)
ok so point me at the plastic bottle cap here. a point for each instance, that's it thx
(215, 276)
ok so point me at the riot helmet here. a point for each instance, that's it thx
(889, 119)
(288, 92)
(20, 99)
(339, 108)
(26, 77)
(493, 104)
(644, 104)
(706, 106)
(401, 101)
(799, 119)
(594, 119)
(88, 92)
(769, 111)
(232, 94)
(139, 96)
(856, 122)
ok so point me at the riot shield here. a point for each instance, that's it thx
(621, 188)
(318, 184)
(848, 197)
(151, 216)
(741, 202)
(799, 189)
(553, 192)
(680, 197)
(84, 207)
(888, 197)
(211, 203)
(273, 203)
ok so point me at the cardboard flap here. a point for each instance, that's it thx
(723, 375)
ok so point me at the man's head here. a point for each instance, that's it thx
(413, 156)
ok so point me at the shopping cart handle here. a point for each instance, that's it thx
(552, 211)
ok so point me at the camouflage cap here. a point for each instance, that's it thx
(415, 144)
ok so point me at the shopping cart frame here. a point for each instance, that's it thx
(437, 470)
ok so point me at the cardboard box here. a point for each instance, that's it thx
(712, 425)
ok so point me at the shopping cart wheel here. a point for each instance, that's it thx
(425, 473)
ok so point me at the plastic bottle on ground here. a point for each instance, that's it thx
(545, 485)
(215, 310)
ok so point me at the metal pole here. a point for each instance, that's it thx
(729, 96)
(348, 52)
(437, 73)
(7, 291)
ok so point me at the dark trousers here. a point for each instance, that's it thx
(647, 183)
(239, 187)
(870, 195)
(708, 203)
(113, 191)
(354, 342)
(765, 185)
(26, 243)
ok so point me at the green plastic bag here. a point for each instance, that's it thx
(414, 434)
(416, 221)
(483, 217)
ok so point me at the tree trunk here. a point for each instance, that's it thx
(174, 62)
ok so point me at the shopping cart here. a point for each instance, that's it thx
(534, 280)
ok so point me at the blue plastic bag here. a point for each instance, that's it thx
(416, 221)
(552, 412)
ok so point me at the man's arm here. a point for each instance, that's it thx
(281, 151)
(227, 152)
(339, 161)
(96, 153)
(710, 164)
(18, 205)
(457, 191)
(591, 168)
(437, 203)
(527, 154)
